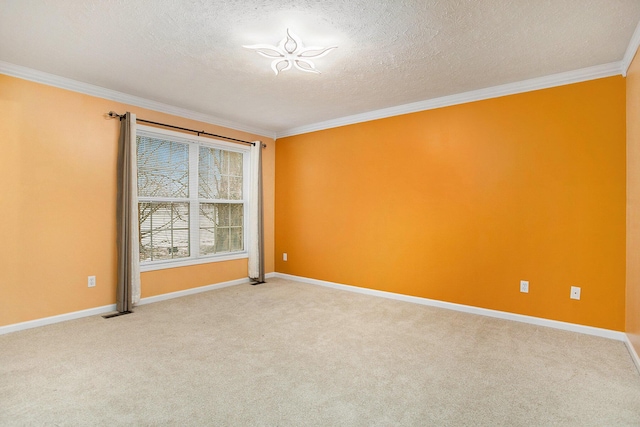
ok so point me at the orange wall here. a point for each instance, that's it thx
(461, 203)
(633, 204)
(58, 175)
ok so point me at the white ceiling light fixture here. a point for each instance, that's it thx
(291, 52)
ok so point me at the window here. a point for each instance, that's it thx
(192, 199)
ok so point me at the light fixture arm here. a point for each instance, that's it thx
(291, 52)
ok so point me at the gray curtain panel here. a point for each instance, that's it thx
(260, 277)
(124, 300)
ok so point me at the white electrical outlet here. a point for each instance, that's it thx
(524, 286)
(91, 281)
(575, 292)
(284, 256)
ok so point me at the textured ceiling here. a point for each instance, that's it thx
(188, 53)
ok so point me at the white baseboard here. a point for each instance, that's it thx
(111, 308)
(56, 319)
(632, 352)
(589, 330)
(178, 294)
(191, 291)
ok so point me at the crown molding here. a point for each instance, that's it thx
(560, 79)
(112, 95)
(590, 73)
(634, 43)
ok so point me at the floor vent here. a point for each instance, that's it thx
(109, 316)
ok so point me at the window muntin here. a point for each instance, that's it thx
(192, 198)
(163, 168)
(220, 174)
(221, 227)
(164, 230)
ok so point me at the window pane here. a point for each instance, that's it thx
(162, 244)
(225, 163)
(236, 239)
(209, 172)
(207, 215)
(207, 228)
(220, 174)
(224, 187)
(222, 239)
(207, 241)
(235, 188)
(164, 230)
(144, 217)
(221, 228)
(180, 230)
(163, 168)
(236, 214)
(145, 247)
(223, 214)
(235, 164)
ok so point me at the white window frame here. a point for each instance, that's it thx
(195, 142)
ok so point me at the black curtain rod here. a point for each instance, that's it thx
(199, 132)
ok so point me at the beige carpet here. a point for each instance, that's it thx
(290, 354)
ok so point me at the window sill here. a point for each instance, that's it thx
(161, 265)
